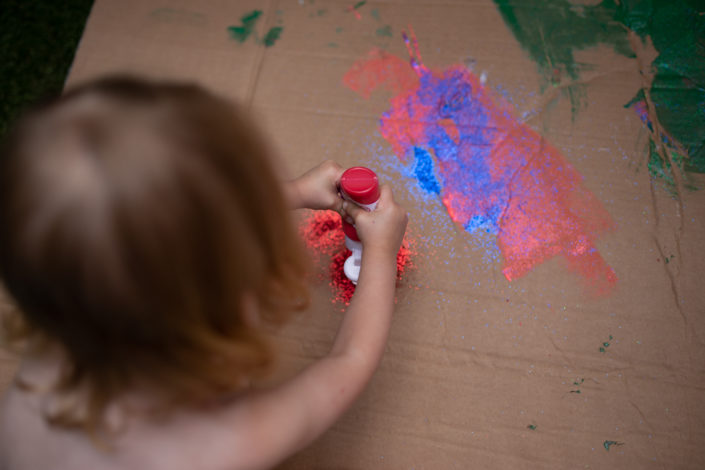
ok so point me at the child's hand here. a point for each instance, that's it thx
(381, 230)
(318, 188)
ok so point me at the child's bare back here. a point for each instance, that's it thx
(145, 240)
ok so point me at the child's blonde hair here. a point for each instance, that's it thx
(143, 229)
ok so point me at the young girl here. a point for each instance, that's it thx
(145, 240)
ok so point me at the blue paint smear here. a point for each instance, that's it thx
(452, 96)
(431, 220)
(424, 171)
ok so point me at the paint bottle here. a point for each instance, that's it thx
(360, 186)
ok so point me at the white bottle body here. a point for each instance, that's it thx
(354, 261)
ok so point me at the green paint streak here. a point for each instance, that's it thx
(242, 32)
(552, 30)
(576, 382)
(375, 14)
(359, 4)
(272, 35)
(575, 391)
(663, 172)
(677, 31)
(385, 31)
(532, 427)
(608, 444)
(602, 349)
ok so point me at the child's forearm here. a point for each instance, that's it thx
(364, 330)
(294, 414)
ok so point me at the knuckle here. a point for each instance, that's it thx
(330, 165)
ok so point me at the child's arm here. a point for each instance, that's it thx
(291, 416)
(316, 189)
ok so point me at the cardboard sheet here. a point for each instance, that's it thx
(592, 355)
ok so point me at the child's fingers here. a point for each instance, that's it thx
(352, 210)
(338, 205)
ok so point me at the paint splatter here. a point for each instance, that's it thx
(272, 35)
(608, 444)
(354, 8)
(247, 27)
(322, 233)
(605, 345)
(492, 173)
(248, 21)
(577, 383)
(532, 427)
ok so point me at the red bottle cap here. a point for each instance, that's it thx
(360, 184)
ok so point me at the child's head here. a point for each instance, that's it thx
(143, 229)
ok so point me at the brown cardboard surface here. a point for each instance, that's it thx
(473, 359)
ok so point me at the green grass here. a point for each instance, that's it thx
(38, 39)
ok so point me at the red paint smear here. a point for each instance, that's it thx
(378, 69)
(322, 233)
(545, 209)
(557, 216)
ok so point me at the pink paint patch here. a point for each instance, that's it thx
(380, 69)
(494, 173)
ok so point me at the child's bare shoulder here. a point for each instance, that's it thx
(217, 439)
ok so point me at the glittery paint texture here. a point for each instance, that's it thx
(322, 232)
(492, 173)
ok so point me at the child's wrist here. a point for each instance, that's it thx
(379, 253)
(294, 197)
